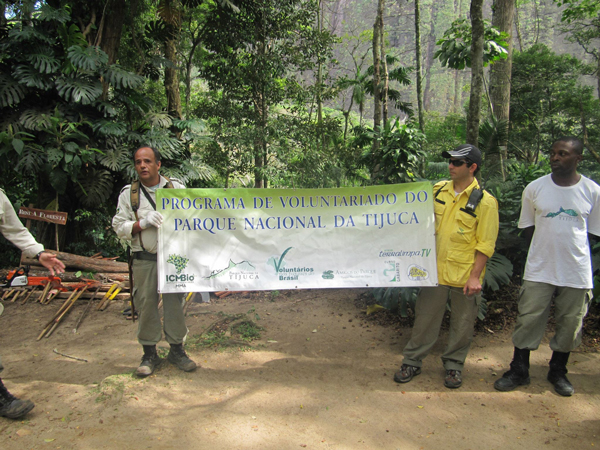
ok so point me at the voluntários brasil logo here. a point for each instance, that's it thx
(277, 262)
(180, 262)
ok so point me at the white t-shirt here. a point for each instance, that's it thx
(563, 216)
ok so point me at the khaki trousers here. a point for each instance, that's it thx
(570, 307)
(430, 309)
(146, 298)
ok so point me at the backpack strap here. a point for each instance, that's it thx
(134, 195)
(438, 193)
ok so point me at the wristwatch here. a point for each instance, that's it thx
(38, 255)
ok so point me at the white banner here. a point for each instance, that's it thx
(270, 239)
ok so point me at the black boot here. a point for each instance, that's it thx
(558, 374)
(179, 357)
(150, 361)
(518, 375)
(12, 407)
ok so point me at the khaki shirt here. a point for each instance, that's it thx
(13, 229)
(458, 235)
(124, 219)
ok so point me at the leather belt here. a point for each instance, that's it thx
(144, 256)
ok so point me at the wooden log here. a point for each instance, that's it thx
(84, 263)
(71, 277)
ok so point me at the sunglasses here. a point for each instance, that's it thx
(459, 162)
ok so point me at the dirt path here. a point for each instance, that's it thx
(320, 377)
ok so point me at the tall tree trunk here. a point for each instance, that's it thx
(418, 60)
(386, 75)
(476, 71)
(500, 85)
(377, 70)
(172, 80)
(518, 28)
(109, 37)
(320, 80)
(112, 20)
(429, 58)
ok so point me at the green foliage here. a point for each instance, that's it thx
(70, 119)
(399, 153)
(455, 51)
(546, 101)
(397, 299)
(498, 272)
(253, 70)
(248, 330)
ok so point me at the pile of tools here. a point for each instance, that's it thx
(87, 278)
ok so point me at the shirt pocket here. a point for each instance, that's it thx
(464, 231)
(459, 265)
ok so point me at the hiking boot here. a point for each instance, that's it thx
(150, 361)
(406, 373)
(453, 379)
(11, 406)
(179, 357)
(518, 375)
(558, 374)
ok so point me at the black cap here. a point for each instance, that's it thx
(465, 151)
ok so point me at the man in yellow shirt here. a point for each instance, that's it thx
(466, 225)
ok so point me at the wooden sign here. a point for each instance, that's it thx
(44, 215)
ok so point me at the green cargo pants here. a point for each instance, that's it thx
(430, 309)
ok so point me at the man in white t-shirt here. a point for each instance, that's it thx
(557, 213)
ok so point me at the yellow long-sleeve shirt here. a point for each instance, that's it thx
(459, 235)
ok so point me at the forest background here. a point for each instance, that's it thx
(287, 94)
